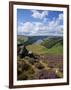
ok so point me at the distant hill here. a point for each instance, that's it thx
(27, 40)
(39, 49)
(36, 39)
(50, 42)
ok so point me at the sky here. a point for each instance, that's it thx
(32, 22)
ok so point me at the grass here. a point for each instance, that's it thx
(39, 49)
(56, 50)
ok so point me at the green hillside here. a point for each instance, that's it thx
(49, 55)
(56, 49)
(49, 43)
(37, 49)
(21, 39)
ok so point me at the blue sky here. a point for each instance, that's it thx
(31, 22)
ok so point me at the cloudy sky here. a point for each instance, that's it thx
(39, 22)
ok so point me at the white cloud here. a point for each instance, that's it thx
(36, 14)
(59, 19)
(37, 28)
(45, 20)
(60, 16)
(25, 28)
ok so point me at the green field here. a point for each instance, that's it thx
(39, 49)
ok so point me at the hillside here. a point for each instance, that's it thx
(47, 46)
(44, 40)
(49, 62)
(37, 49)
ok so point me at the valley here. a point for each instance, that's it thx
(49, 58)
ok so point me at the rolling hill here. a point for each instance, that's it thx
(49, 63)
